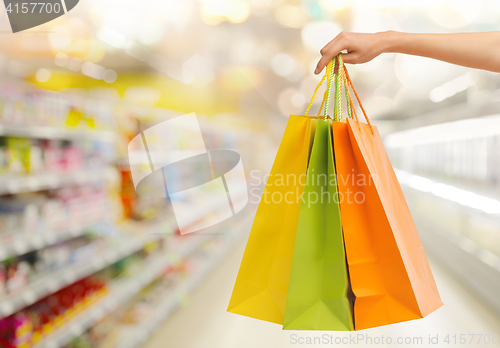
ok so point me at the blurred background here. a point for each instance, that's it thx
(85, 262)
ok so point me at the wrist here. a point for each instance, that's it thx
(388, 41)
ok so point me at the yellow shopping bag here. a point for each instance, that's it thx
(261, 285)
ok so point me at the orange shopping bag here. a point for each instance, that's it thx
(389, 272)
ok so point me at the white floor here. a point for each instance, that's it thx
(204, 322)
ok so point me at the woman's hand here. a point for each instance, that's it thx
(474, 50)
(361, 48)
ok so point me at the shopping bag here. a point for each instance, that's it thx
(261, 285)
(389, 272)
(318, 289)
(262, 281)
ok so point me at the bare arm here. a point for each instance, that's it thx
(474, 50)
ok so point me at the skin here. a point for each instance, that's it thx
(473, 50)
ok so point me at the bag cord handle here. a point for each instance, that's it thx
(341, 76)
(348, 78)
(328, 69)
(331, 77)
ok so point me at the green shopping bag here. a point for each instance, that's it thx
(319, 296)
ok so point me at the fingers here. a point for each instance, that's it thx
(322, 63)
(332, 49)
(324, 59)
(351, 58)
(330, 54)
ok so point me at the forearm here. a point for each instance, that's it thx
(475, 50)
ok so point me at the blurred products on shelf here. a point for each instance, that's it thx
(33, 156)
(29, 213)
(463, 151)
(21, 105)
(30, 325)
(76, 240)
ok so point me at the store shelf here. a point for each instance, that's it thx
(120, 291)
(464, 196)
(25, 242)
(132, 337)
(44, 132)
(56, 280)
(10, 184)
(53, 281)
(450, 235)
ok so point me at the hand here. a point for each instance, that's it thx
(458, 48)
(361, 48)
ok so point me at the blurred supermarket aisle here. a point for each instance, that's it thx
(204, 322)
(87, 262)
